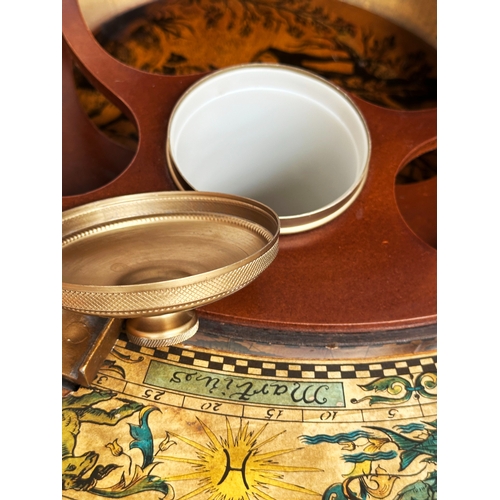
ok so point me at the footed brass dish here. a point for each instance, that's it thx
(153, 258)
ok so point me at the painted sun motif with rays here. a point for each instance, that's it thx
(235, 467)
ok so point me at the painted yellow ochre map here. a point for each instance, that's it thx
(189, 422)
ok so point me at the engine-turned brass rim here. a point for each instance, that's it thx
(159, 255)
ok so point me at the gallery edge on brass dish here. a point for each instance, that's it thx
(155, 257)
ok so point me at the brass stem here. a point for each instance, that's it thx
(162, 330)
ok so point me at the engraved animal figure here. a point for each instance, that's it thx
(80, 472)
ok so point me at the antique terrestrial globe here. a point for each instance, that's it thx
(249, 250)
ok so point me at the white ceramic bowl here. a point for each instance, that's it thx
(276, 134)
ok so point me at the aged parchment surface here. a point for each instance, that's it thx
(185, 423)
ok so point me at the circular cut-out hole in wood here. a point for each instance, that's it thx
(416, 196)
(355, 49)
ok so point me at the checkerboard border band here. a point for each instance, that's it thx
(269, 367)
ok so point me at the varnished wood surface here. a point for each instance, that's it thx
(366, 271)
